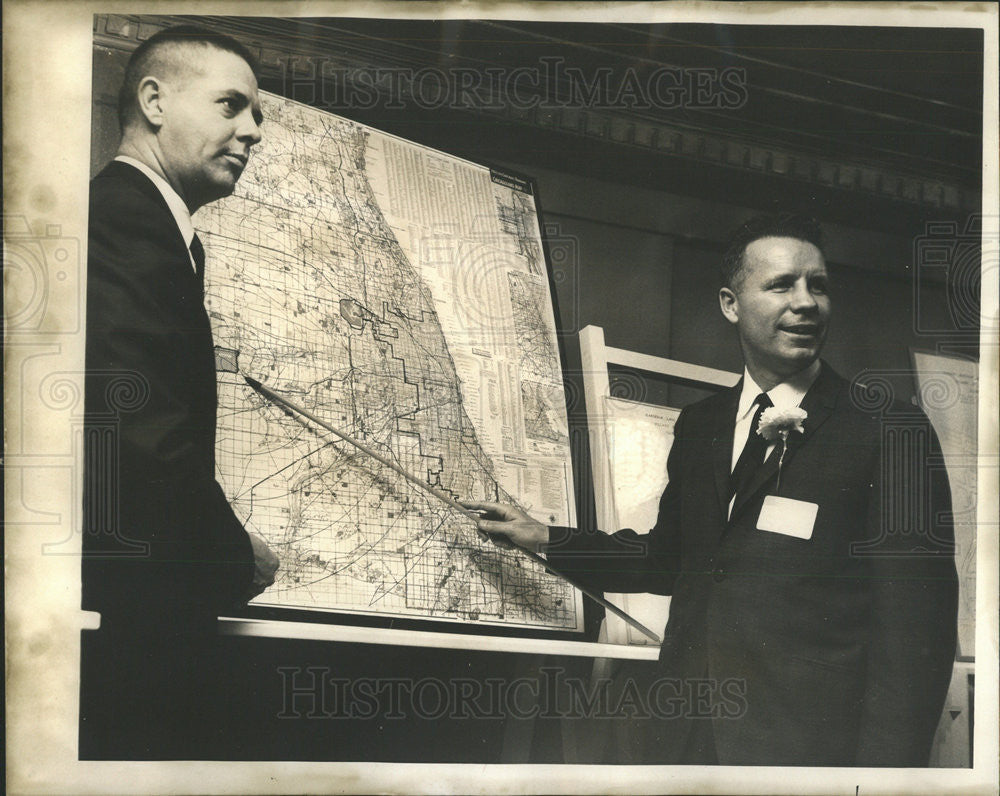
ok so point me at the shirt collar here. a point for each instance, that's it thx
(179, 210)
(786, 395)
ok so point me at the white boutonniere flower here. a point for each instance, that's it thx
(777, 424)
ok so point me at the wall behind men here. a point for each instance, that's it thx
(662, 249)
(642, 263)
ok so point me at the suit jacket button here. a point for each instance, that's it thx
(719, 575)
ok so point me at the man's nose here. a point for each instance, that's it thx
(802, 299)
(249, 130)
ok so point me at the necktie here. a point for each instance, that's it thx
(198, 253)
(752, 456)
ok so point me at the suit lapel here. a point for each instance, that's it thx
(819, 403)
(185, 277)
(722, 445)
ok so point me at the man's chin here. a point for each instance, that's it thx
(804, 361)
(804, 346)
(226, 183)
(219, 189)
(798, 359)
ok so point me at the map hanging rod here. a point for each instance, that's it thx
(272, 396)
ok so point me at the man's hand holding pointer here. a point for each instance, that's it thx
(502, 522)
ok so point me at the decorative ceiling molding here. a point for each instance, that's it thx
(292, 63)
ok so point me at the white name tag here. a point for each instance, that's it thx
(787, 516)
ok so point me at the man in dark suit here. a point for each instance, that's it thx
(811, 568)
(163, 552)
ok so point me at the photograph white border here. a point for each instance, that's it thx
(47, 53)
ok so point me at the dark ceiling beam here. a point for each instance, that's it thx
(792, 75)
(830, 79)
(686, 148)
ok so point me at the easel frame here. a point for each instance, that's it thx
(595, 357)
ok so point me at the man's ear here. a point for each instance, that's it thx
(729, 304)
(150, 100)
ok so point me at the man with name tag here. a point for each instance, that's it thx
(807, 545)
(163, 552)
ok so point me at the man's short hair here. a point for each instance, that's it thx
(149, 57)
(771, 225)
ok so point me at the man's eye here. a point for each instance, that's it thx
(818, 287)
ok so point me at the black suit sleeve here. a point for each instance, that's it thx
(914, 598)
(627, 561)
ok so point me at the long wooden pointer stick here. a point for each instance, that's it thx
(274, 397)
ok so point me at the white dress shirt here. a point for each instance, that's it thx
(179, 210)
(786, 395)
